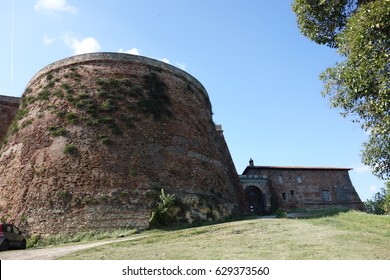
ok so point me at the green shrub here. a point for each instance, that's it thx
(83, 95)
(33, 241)
(74, 75)
(106, 120)
(105, 140)
(58, 93)
(163, 215)
(14, 128)
(91, 108)
(108, 105)
(21, 114)
(67, 87)
(280, 213)
(27, 100)
(380, 202)
(43, 94)
(57, 131)
(65, 195)
(70, 149)
(71, 118)
(50, 84)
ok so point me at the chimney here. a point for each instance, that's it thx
(251, 162)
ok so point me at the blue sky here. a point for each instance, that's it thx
(260, 72)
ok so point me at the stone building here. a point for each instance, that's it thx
(290, 187)
(97, 136)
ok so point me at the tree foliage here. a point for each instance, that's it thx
(380, 202)
(322, 20)
(359, 85)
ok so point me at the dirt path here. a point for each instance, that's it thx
(55, 252)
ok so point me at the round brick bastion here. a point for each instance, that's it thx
(96, 138)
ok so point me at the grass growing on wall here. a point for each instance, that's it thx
(98, 105)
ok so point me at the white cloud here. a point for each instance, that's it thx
(55, 6)
(86, 45)
(133, 51)
(373, 189)
(182, 66)
(166, 60)
(48, 40)
(362, 169)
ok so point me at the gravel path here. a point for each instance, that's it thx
(50, 253)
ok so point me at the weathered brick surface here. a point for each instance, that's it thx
(101, 134)
(8, 108)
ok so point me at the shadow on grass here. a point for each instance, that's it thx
(316, 213)
(196, 224)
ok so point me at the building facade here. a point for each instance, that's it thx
(270, 187)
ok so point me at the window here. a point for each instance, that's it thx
(279, 179)
(325, 195)
(284, 196)
(16, 231)
(292, 192)
(299, 179)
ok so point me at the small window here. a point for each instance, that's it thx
(325, 195)
(299, 179)
(279, 179)
(292, 192)
(284, 196)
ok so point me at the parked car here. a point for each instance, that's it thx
(11, 237)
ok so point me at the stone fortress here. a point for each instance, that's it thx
(95, 138)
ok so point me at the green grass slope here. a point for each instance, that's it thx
(351, 235)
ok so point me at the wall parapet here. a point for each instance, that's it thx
(118, 57)
(10, 99)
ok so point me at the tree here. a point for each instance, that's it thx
(360, 30)
(380, 202)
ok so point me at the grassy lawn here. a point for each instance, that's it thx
(351, 235)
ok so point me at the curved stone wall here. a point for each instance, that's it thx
(8, 107)
(96, 138)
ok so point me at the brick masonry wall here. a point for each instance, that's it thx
(99, 135)
(8, 108)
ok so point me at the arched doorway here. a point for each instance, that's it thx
(255, 200)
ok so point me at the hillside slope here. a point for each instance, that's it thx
(351, 235)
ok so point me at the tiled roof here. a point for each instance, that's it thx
(295, 168)
(301, 167)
